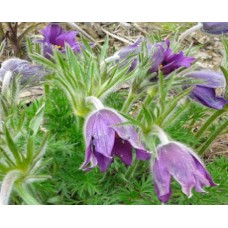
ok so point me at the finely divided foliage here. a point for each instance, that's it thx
(133, 140)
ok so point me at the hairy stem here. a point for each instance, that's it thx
(128, 103)
(208, 122)
(189, 31)
(213, 136)
(7, 185)
(24, 193)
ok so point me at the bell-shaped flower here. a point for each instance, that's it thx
(55, 37)
(215, 28)
(180, 162)
(105, 138)
(204, 92)
(29, 72)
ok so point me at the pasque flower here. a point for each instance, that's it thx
(55, 37)
(180, 162)
(215, 28)
(161, 56)
(166, 60)
(29, 72)
(204, 92)
(106, 138)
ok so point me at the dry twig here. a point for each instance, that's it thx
(74, 25)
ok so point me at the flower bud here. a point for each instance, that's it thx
(215, 28)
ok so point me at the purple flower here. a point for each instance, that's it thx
(204, 92)
(215, 28)
(104, 140)
(27, 71)
(164, 59)
(55, 37)
(178, 161)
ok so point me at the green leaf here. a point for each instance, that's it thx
(37, 120)
(149, 117)
(104, 49)
(12, 146)
(131, 120)
(40, 152)
(8, 159)
(225, 73)
(42, 60)
(29, 149)
(172, 105)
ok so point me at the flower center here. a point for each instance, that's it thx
(58, 47)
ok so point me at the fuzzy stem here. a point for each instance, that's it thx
(80, 122)
(146, 102)
(127, 104)
(175, 116)
(112, 58)
(189, 31)
(95, 101)
(25, 195)
(208, 122)
(161, 135)
(109, 59)
(7, 185)
(213, 136)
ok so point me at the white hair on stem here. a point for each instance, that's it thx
(7, 185)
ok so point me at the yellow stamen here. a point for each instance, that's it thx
(58, 47)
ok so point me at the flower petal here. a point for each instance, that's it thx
(175, 61)
(207, 97)
(51, 32)
(210, 79)
(97, 128)
(123, 150)
(204, 172)
(89, 158)
(133, 48)
(103, 137)
(102, 161)
(157, 56)
(142, 154)
(179, 164)
(67, 37)
(161, 179)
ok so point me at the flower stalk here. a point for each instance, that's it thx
(7, 185)
(189, 31)
(213, 136)
(128, 103)
(209, 122)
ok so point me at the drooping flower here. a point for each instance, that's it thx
(215, 28)
(204, 92)
(161, 56)
(104, 140)
(55, 37)
(29, 72)
(180, 162)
